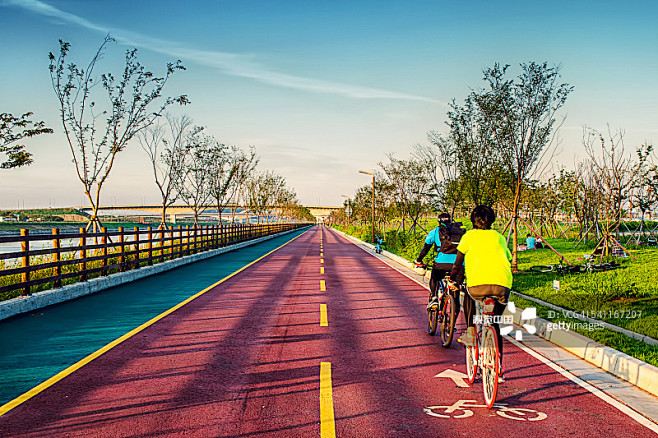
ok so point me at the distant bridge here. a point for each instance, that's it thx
(322, 213)
(319, 212)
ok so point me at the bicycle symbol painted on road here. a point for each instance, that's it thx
(462, 409)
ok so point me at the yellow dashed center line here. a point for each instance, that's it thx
(327, 422)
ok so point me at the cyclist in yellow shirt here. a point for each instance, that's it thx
(488, 270)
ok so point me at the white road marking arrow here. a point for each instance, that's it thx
(456, 377)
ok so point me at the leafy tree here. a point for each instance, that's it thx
(226, 174)
(301, 213)
(340, 216)
(247, 162)
(410, 184)
(385, 208)
(278, 193)
(473, 151)
(14, 129)
(440, 163)
(262, 191)
(96, 134)
(287, 203)
(518, 118)
(540, 200)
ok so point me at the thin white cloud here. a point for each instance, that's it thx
(229, 63)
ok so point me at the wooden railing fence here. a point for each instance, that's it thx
(106, 252)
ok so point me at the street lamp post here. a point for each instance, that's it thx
(372, 235)
(349, 208)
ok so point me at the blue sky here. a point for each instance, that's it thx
(323, 89)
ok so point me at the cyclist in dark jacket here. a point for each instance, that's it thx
(443, 263)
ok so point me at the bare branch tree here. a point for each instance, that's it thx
(613, 173)
(165, 147)
(645, 192)
(224, 172)
(194, 187)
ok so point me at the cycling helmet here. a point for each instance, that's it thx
(444, 219)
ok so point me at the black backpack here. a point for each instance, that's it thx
(450, 235)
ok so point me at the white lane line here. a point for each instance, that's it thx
(596, 391)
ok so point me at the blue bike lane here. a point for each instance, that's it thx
(38, 345)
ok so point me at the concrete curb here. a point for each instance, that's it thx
(38, 300)
(634, 371)
(631, 334)
(621, 365)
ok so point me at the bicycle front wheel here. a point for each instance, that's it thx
(490, 367)
(448, 310)
(542, 268)
(471, 362)
(432, 319)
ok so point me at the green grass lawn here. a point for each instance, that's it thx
(626, 297)
(618, 341)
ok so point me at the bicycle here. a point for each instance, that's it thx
(378, 245)
(590, 267)
(559, 268)
(443, 314)
(484, 356)
(573, 269)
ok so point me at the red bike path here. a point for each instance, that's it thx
(243, 359)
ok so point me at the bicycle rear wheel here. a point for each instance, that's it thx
(448, 317)
(490, 366)
(570, 269)
(542, 268)
(605, 266)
